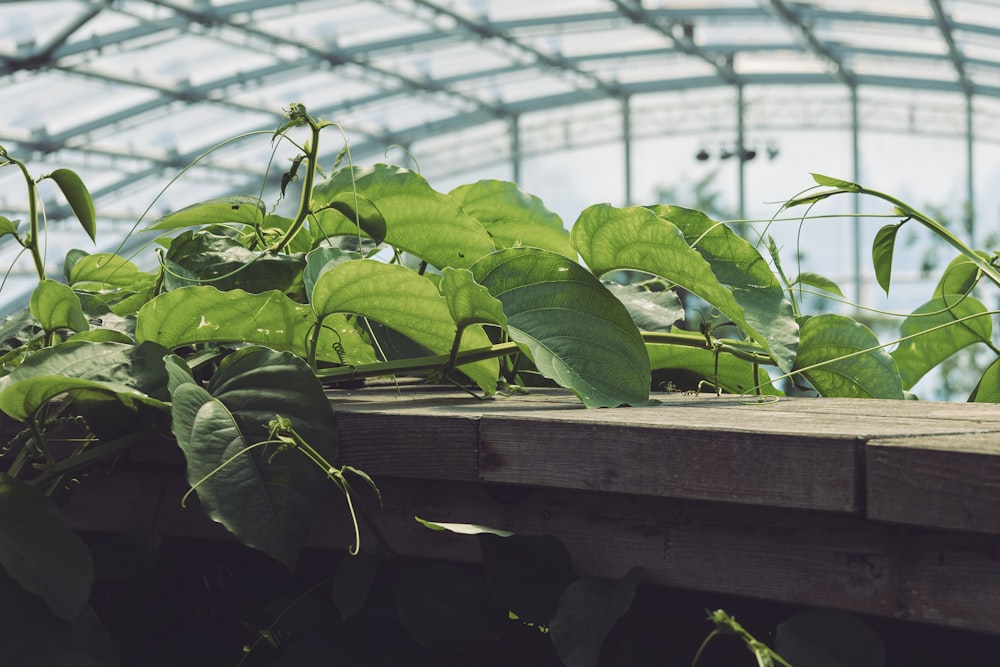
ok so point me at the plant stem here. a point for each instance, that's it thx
(31, 242)
(299, 114)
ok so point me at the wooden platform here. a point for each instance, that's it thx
(883, 507)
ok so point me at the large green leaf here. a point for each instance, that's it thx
(739, 266)
(206, 258)
(513, 217)
(56, 306)
(321, 259)
(192, 315)
(40, 551)
(417, 218)
(916, 356)
(651, 311)
(240, 208)
(134, 374)
(402, 299)
(588, 609)
(610, 239)
(267, 498)
(469, 302)
(841, 358)
(576, 332)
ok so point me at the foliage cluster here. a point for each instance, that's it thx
(229, 345)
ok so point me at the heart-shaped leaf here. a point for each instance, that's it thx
(469, 302)
(103, 271)
(576, 332)
(842, 358)
(960, 276)
(937, 335)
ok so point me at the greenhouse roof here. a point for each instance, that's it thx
(130, 92)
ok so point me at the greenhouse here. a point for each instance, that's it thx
(500, 332)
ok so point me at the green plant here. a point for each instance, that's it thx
(228, 346)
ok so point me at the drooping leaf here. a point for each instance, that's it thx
(588, 609)
(192, 315)
(405, 301)
(610, 239)
(513, 217)
(418, 219)
(463, 528)
(959, 277)
(882, 250)
(576, 332)
(268, 499)
(684, 367)
(56, 306)
(134, 374)
(79, 199)
(817, 281)
(841, 358)
(206, 258)
(469, 302)
(41, 552)
(651, 311)
(988, 388)
(829, 638)
(930, 345)
(527, 574)
(241, 209)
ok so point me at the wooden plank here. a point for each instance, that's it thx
(942, 481)
(703, 464)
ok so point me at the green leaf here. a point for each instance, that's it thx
(588, 609)
(268, 499)
(402, 299)
(916, 356)
(841, 358)
(882, 250)
(832, 182)
(192, 315)
(766, 314)
(651, 311)
(960, 276)
(132, 373)
(610, 239)
(469, 302)
(56, 306)
(817, 281)
(361, 212)
(242, 209)
(576, 332)
(828, 638)
(988, 388)
(513, 217)
(79, 199)
(685, 367)
(41, 552)
(203, 257)
(102, 271)
(7, 226)
(321, 259)
(418, 219)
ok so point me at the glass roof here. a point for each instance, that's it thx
(130, 92)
